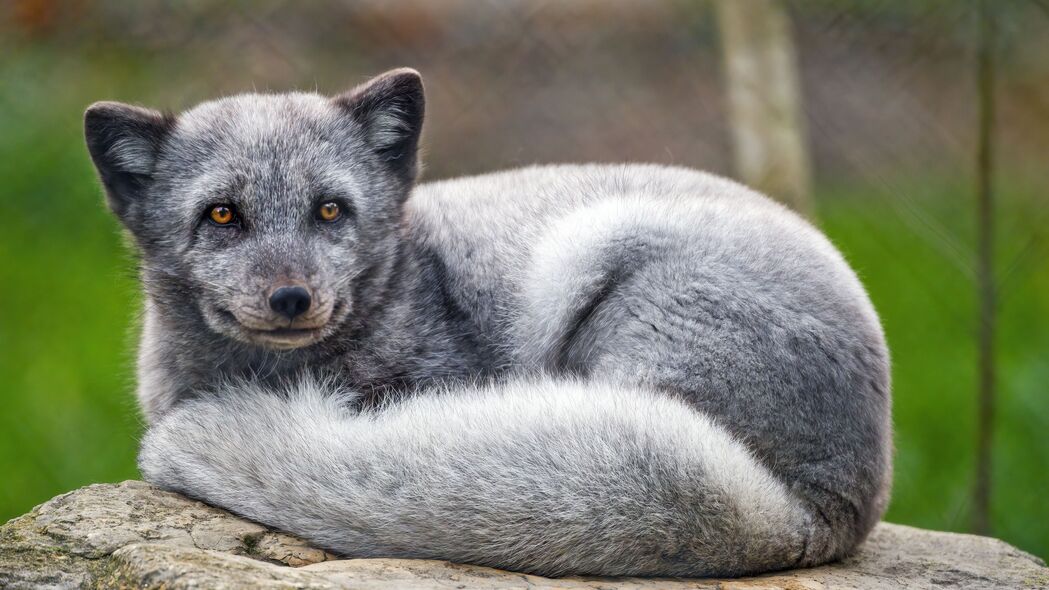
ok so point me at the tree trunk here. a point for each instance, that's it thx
(766, 119)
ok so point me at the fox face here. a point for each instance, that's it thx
(258, 214)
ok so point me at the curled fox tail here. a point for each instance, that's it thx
(545, 476)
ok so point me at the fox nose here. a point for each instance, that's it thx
(290, 302)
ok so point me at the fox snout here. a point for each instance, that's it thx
(284, 304)
(290, 301)
(282, 314)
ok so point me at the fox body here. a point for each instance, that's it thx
(597, 369)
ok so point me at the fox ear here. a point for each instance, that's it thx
(390, 108)
(124, 141)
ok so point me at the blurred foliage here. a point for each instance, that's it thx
(888, 93)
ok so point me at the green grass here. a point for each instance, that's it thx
(902, 245)
(68, 304)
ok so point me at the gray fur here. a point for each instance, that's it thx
(603, 369)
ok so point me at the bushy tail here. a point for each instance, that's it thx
(545, 476)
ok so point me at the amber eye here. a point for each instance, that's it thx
(329, 211)
(221, 214)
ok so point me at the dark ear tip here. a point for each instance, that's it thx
(104, 120)
(103, 106)
(101, 111)
(406, 76)
(108, 109)
(397, 81)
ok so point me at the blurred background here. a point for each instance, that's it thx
(916, 134)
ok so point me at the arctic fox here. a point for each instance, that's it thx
(595, 369)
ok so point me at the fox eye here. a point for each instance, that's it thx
(329, 211)
(222, 214)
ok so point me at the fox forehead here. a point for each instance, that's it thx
(282, 147)
(261, 116)
(243, 130)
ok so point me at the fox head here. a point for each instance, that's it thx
(258, 213)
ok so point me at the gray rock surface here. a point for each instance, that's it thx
(132, 535)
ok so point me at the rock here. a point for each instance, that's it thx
(135, 535)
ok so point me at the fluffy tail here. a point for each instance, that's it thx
(548, 477)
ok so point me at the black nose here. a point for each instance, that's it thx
(290, 302)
